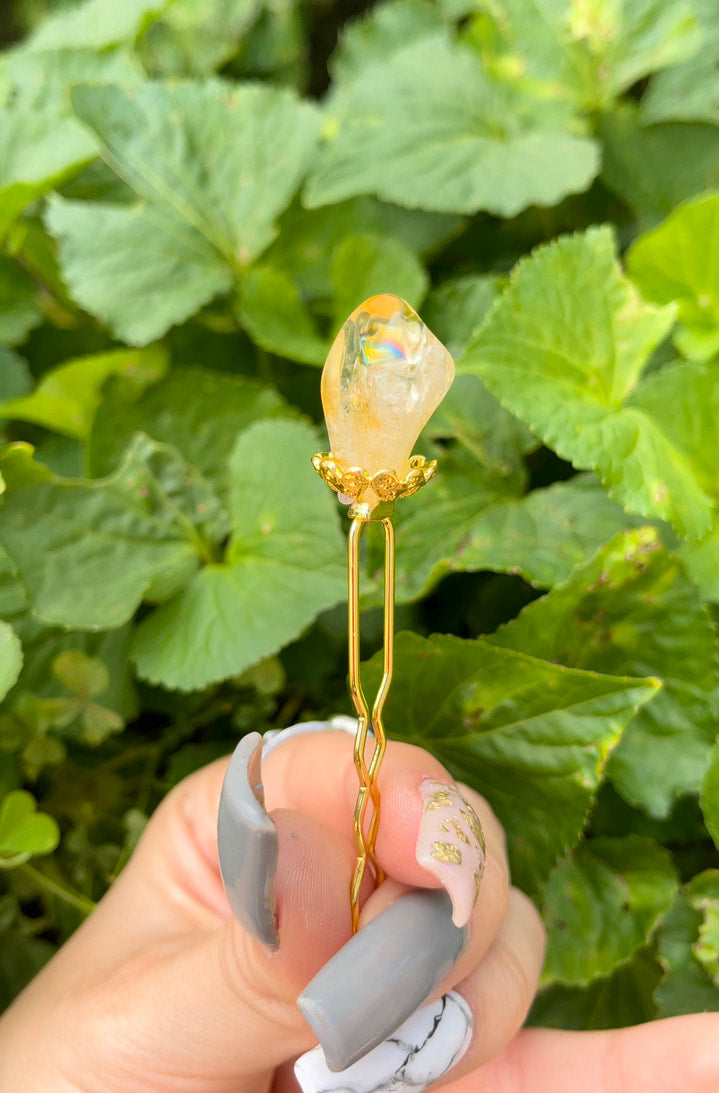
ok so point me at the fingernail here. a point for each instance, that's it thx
(380, 977)
(247, 841)
(450, 845)
(419, 1052)
(274, 737)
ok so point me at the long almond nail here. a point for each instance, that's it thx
(419, 1052)
(450, 845)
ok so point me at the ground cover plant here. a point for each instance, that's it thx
(191, 201)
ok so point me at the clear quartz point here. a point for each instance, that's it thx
(385, 375)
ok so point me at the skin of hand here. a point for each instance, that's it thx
(161, 990)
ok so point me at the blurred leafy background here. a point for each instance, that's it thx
(193, 195)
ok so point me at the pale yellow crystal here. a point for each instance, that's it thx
(385, 375)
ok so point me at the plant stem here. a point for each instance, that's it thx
(75, 899)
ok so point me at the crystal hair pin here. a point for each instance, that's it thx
(385, 375)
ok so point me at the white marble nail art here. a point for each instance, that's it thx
(422, 1049)
(274, 737)
(450, 844)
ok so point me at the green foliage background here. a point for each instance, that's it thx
(187, 213)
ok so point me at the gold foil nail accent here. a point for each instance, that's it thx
(440, 798)
(473, 823)
(447, 852)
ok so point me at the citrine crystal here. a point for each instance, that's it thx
(385, 375)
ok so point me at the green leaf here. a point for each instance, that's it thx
(24, 831)
(477, 421)
(273, 313)
(431, 131)
(196, 37)
(203, 427)
(368, 265)
(630, 609)
(592, 52)
(15, 376)
(383, 31)
(10, 658)
(286, 549)
(531, 736)
(79, 673)
(689, 91)
(654, 167)
(454, 309)
(208, 198)
(688, 986)
(602, 904)
(710, 796)
(623, 998)
(676, 262)
(66, 397)
(43, 78)
(308, 238)
(19, 312)
(88, 553)
(95, 24)
(180, 271)
(482, 526)
(564, 349)
(39, 149)
(701, 559)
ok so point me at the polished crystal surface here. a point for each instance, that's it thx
(385, 375)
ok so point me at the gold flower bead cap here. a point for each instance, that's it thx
(385, 375)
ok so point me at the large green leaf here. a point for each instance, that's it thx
(621, 999)
(630, 609)
(15, 379)
(432, 131)
(87, 553)
(66, 397)
(39, 149)
(467, 523)
(308, 238)
(564, 349)
(602, 904)
(196, 37)
(203, 425)
(690, 91)
(383, 31)
(10, 658)
(702, 561)
(591, 52)
(213, 166)
(454, 309)
(533, 737)
(654, 167)
(710, 796)
(691, 968)
(23, 830)
(286, 549)
(678, 262)
(95, 24)
(274, 314)
(367, 265)
(19, 312)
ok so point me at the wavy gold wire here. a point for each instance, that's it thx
(368, 774)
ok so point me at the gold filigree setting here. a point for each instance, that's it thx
(355, 482)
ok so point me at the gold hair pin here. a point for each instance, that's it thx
(385, 375)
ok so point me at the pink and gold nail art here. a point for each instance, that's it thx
(451, 845)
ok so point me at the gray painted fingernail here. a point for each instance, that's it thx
(247, 841)
(381, 976)
(419, 1052)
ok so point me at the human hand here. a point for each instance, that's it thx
(162, 990)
